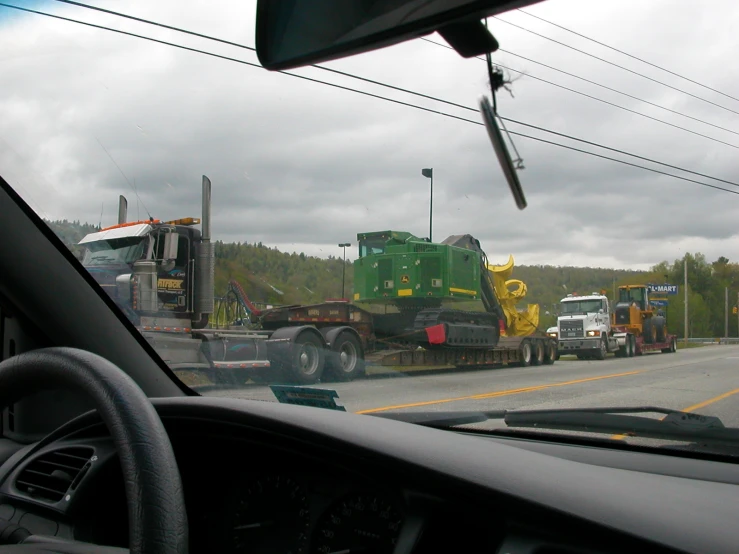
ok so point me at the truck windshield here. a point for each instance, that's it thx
(115, 251)
(581, 306)
(371, 246)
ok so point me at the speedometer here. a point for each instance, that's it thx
(271, 515)
(360, 522)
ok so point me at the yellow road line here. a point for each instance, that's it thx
(697, 406)
(497, 393)
(710, 401)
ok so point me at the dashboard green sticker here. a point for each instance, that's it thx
(306, 396)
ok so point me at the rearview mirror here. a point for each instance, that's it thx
(296, 33)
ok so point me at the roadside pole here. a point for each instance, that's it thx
(686, 300)
(726, 312)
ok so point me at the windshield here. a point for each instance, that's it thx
(371, 246)
(253, 188)
(114, 251)
(581, 306)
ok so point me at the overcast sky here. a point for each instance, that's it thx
(303, 166)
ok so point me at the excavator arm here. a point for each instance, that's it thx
(487, 286)
(496, 293)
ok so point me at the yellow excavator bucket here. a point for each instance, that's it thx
(510, 292)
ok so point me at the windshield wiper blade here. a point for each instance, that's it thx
(676, 425)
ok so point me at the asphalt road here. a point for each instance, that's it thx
(701, 380)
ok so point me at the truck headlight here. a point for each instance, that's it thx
(553, 335)
(593, 334)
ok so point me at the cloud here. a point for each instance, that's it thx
(304, 166)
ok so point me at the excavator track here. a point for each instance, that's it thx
(460, 328)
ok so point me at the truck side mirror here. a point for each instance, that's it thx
(171, 241)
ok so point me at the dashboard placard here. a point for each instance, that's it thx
(307, 396)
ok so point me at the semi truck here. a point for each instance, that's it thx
(161, 274)
(590, 328)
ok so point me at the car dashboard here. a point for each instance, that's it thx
(263, 477)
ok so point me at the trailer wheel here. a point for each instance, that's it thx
(550, 353)
(345, 361)
(670, 349)
(307, 360)
(537, 352)
(636, 351)
(525, 354)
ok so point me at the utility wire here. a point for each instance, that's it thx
(658, 120)
(616, 65)
(133, 186)
(390, 100)
(378, 83)
(642, 60)
(429, 97)
(587, 81)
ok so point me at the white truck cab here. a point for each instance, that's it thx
(584, 327)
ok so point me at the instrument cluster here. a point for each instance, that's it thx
(302, 513)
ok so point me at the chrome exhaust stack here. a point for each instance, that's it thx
(122, 209)
(204, 300)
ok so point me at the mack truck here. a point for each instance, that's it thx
(588, 327)
(161, 275)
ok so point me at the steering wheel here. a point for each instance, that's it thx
(156, 504)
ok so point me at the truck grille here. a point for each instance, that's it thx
(571, 329)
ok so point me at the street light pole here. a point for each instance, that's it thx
(343, 267)
(429, 173)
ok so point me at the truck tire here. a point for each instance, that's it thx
(660, 329)
(600, 354)
(550, 353)
(307, 359)
(537, 352)
(649, 331)
(525, 354)
(632, 346)
(345, 360)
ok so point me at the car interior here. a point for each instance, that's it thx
(103, 449)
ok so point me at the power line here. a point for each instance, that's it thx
(658, 120)
(611, 89)
(378, 83)
(628, 55)
(398, 102)
(616, 65)
(436, 99)
(597, 145)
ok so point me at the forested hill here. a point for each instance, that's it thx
(269, 275)
(275, 277)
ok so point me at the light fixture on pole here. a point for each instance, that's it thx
(429, 173)
(343, 267)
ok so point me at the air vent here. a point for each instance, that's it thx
(51, 475)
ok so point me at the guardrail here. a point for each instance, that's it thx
(712, 340)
